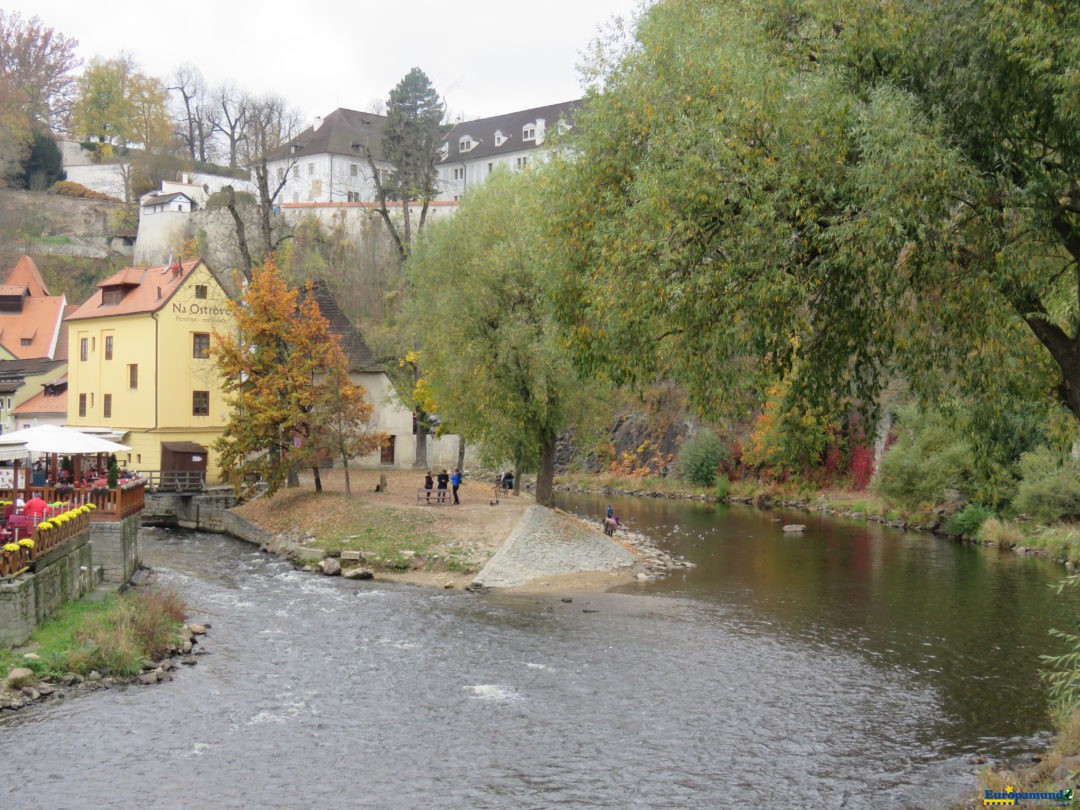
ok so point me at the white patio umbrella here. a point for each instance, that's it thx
(55, 439)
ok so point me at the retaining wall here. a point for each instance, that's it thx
(31, 598)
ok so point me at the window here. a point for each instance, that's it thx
(110, 298)
(521, 162)
(280, 173)
(26, 341)
(106, 406)
(83, 344)
(200, 345)
(528, 132)
(465, 144)
(200, 403)
(82, 404)
(133, 375)
(295, 172)
(311, 170)
(200, 292)
(500, 139)
(108, 347)
(384, 176)
(352, 170)
(491, 168)
(459, 173)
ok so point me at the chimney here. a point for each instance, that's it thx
(318, 123)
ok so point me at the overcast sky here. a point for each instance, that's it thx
(485, 57)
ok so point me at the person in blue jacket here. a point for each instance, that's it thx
(455, 482)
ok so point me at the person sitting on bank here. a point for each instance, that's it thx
(444, 481)
(508, 480)
(429, 484)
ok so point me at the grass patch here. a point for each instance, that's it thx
(113, 636)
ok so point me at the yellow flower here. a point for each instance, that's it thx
(11, 547)
(26, 542)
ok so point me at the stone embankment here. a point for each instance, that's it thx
(22, 687)
(549, 542)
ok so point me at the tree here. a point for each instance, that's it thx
(282, 374)
(411, 139)
(196, 122)
(828, 192)
(36, 63)
(495, 364)
(269, 124)
(104, 108)
(43, 165)
(16, 133)
(229, 119)
(150, 123)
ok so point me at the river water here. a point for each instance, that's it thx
(852, 666)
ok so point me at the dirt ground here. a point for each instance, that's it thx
(474, 530)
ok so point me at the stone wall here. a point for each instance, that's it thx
(117, 548)
(29, 599)
(206, 512)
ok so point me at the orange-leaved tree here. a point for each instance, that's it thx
(282, 377)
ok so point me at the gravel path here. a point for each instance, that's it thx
(547, 542)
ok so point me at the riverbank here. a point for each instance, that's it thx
(398, 535)
(1059, 542)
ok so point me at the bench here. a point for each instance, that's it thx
(435, 497)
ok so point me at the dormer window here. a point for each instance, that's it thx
(111, 297)
(500, 139)
(528, 132)
(466, 144)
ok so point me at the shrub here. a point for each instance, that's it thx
(1063, 675)
(68, 188)
(1049, 487)
(968, 521)
(1000, 533)
(700, 457)
(928, 460)
(723, 488)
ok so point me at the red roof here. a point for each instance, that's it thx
(26, 275)
(145, 289)
(43, 403)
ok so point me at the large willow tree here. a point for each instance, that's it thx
(830, 191)
(494, 364)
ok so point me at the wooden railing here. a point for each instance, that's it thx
(109, 504)
(174, 480)
(48, 535)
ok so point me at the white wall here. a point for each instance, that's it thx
(326, 178)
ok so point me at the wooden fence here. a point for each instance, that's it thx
(47, 536)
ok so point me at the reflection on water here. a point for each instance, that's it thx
(849, 667)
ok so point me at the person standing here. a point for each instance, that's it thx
(455, 482)
(429, 484)
(444, 479)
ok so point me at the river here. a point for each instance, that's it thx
(852, 666)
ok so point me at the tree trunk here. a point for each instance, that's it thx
(241, 234)
(318, 478)
(545, 478)
(292, 479)
(420, 459)
(461, 453)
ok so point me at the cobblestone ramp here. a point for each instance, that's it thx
(546, 542)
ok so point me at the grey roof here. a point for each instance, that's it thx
(28, 368)
(163, 197)
(342, 132)
(483, 130)
(360, 356)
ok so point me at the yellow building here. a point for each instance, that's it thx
(140, 365)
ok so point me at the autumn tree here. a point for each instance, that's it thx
(829, 193)
(495, 363)
(36, 65)
(281, 374)
(104, 108)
